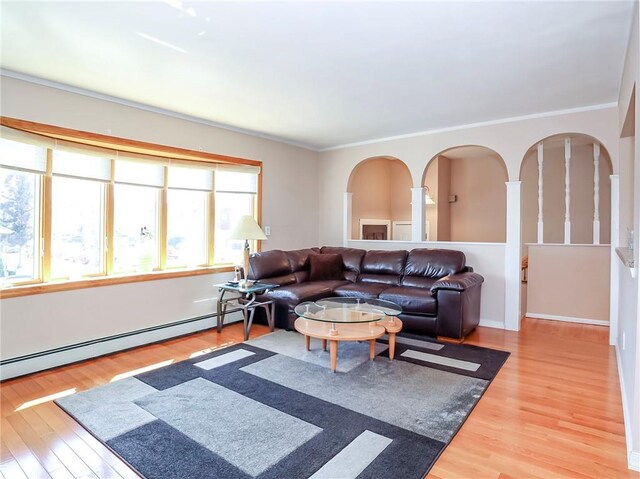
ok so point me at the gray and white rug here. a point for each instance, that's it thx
(267, 408)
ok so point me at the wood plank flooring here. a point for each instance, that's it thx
(553, 411)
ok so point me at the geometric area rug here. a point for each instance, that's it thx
(267, 408)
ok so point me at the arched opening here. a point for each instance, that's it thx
(381, 202)
(552, 188)
(566, 229)
(466, 199)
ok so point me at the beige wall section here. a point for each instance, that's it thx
(442, 207)
(554, 195)
(400, 191)
(480, 212)
(571, 281)
(438, 178)
(381, 190)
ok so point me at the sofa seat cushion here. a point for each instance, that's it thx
(411, 300)
(361, 290)
(294, 294)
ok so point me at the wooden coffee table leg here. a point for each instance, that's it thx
(333, 347)
(307, 342)
(392, 345)
(324, 344)
(372, 349)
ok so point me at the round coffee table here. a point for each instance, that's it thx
(348, 319)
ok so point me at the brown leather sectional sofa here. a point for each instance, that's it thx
(439, 294)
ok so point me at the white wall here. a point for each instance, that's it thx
(628, 330)
(290, 207)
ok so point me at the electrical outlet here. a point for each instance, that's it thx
(267, 230)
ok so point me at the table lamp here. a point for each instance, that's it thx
(247, 229)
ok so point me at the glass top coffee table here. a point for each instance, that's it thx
(348, 319)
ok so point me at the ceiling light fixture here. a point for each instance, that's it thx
(161, 42)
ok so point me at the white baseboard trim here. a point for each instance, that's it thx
(99, 347)
(568, 319)
(633, 457)
(491, 323)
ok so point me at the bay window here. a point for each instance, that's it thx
(21, 170)
(236, 194)
(188, 195)
(137, 190)
(71, 212)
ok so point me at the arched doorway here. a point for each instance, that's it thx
(566, 229)
(466, 199)
(381, 202)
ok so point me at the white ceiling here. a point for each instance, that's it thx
(322, 74)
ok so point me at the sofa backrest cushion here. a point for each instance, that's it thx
(299, 262)
(299, 258)
(325, 267)
(423, 263)
(271, 266)
(383, 267)
(351, 260)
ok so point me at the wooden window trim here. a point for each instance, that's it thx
(123, 144)
(54, 287)
(130, 146)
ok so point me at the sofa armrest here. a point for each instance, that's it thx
(457, 282)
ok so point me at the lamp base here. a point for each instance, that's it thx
(245, 281)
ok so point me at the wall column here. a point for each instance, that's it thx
(540, 191)
(417, 214)
(512, 259)
(346, 218)
(614, 286)
(596, 193)
(567, 190)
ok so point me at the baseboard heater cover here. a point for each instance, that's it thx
(18, 366)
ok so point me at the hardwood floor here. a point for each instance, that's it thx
(553, 411)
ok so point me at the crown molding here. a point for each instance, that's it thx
(145, 107)
(533, 116)
(202, 121)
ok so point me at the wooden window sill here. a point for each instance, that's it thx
(53, 287)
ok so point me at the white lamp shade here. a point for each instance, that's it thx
(247, 229)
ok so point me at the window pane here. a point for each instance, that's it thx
(20, 155)
(77, 227)
(19, 213)
(229, 208)
(236, 181)
(139, 173)
(135, 246)
(190, 178)
(187, 228)
(81, 166)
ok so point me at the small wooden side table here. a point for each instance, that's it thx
(244, 300)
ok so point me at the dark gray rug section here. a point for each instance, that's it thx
(269, 409)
